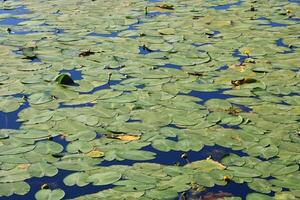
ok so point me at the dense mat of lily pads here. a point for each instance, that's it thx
(145, 69)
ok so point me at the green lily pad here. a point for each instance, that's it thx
(8, 189)
(104, 178)
(42, 169)
(64, 79)
(257, 196)
(78, 178)
(244, 172)
(136, 155)
(56, 194)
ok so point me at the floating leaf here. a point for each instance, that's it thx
(8, 189)
(257, 196)
(40, 98)
(136, 155)
(64, 79)
(50, 194)
(78, 178)
(42, 169)
(244, 172)
(104, 178)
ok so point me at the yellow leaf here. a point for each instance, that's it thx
(23, 166)
(246, 51)
(95, 154)
(128, 137)
(94, 102)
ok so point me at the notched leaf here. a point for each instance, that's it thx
(64, 79)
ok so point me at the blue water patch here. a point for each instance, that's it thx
(242, 58)
(101, 87)
(60, 140)
(295, 1)
(23, 32)
(16, 11)
(133, 26)
(11, 21)
(172, 125)
(58, 31)
(9, 120)
(280, 43)
(226, 6)
(34, 60)
(208, 95)
(155, 14)
(222, 68)
(75, 74)
(171, 66)
(175, 139)
(297, 20)
(141, 86)
(244, 108)
(144, 50)
(230, 126)
(113, 34)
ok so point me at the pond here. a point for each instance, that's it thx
(149, 99)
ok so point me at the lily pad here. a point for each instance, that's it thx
(56, 194)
